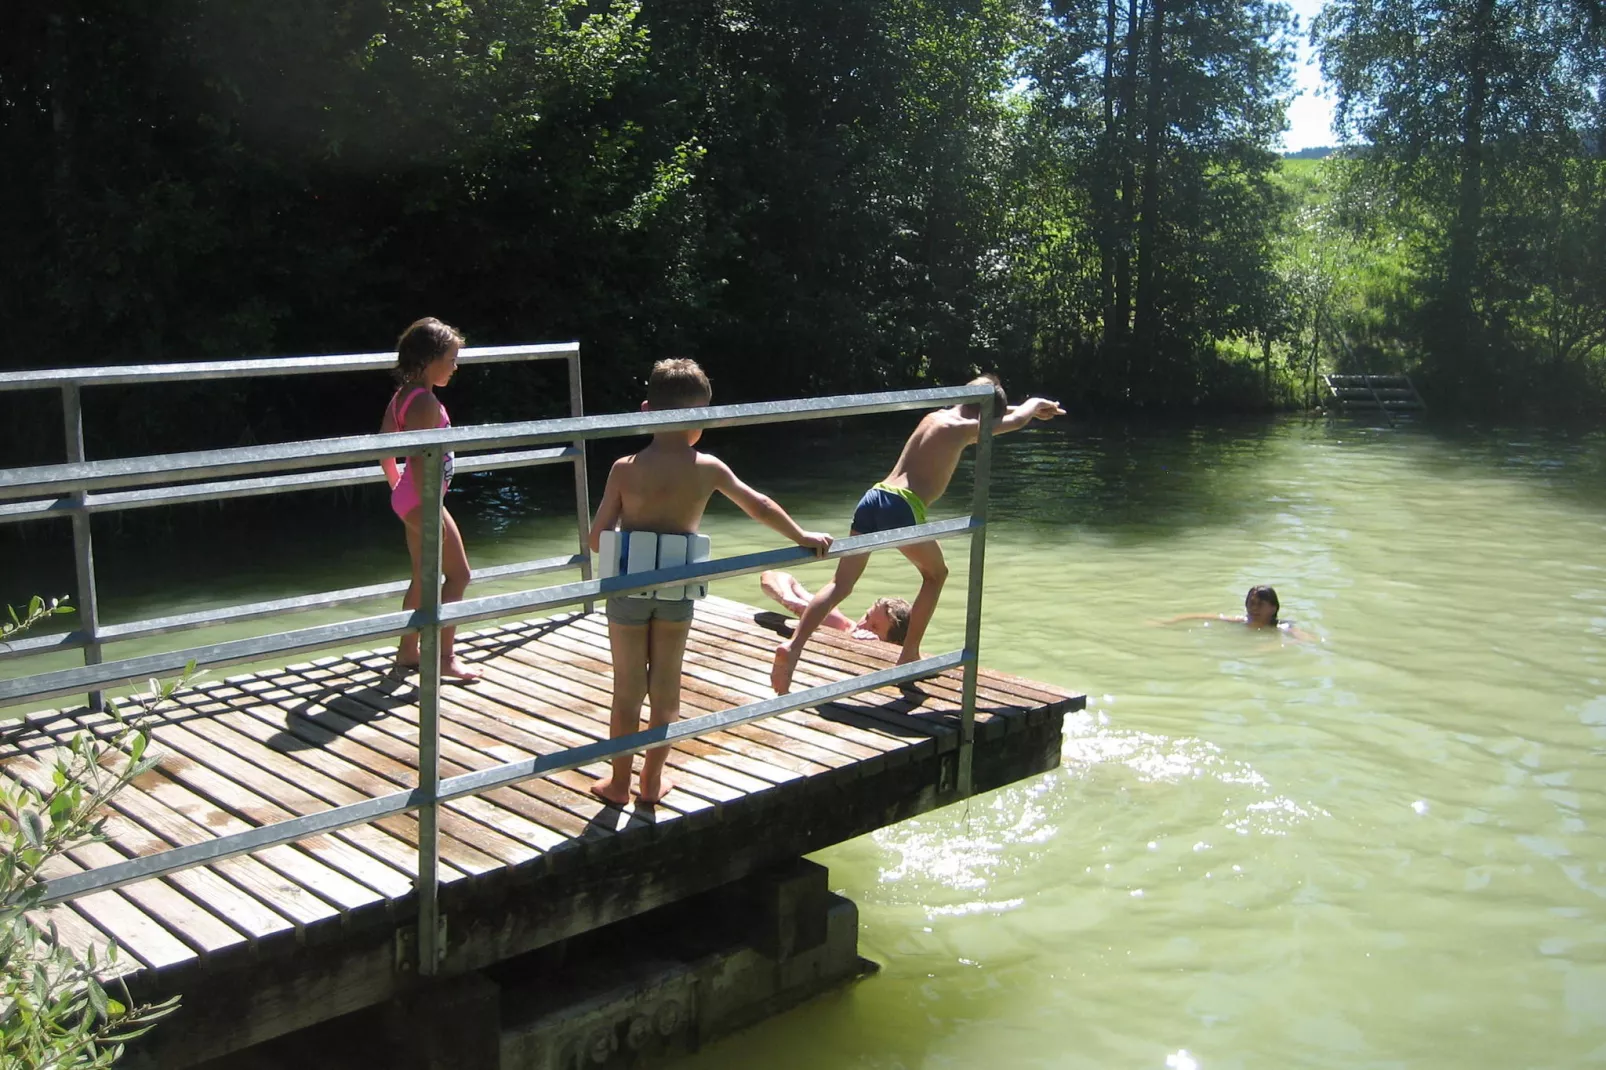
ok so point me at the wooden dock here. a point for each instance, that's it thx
(264, 944)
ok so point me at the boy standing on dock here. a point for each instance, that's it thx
(664, 489)
(918, 479)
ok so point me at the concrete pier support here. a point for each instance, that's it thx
(770, 942)
(452, 1024)
(630, 996)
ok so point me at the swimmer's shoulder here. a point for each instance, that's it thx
(945, 430)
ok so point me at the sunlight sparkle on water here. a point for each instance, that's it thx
(1181, 1060)
(1157, 758)
(981, 907)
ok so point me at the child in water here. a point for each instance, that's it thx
(1260, 611)
(665, 489)
(917, 480)
(426, 357)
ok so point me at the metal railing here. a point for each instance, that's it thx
(91, 636)
(78, 481)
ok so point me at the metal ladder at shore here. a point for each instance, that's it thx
(1387, 394)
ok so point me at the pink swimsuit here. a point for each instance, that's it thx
(404, 497)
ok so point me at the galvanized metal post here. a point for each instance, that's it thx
(72, 414)
(582, 490)
(429, 713)
(978, 561)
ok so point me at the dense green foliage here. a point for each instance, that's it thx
(807, 195)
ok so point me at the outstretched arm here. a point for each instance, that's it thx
(762, 507)
(1202, 616)
(1027, 411)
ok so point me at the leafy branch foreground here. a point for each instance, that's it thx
(54, 1010)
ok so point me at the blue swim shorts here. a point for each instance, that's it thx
(883, 508)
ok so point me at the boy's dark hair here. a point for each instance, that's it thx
(678, 383)
(1001, 405)
(898, 614)
(1263, 594)
(423, 341)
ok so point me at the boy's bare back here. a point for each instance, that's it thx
(932, 453)
(666, 487)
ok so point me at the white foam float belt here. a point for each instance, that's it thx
(626, 552)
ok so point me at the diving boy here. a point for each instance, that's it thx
(917, 480)
(664, 489)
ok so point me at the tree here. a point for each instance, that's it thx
(54, 1011)
(1165, 111)
(1465, 109)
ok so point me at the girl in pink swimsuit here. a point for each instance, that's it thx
(426, 357)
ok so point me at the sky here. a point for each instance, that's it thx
(1310, 117)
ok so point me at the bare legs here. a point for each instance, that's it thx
(646, 666)
(455, 571)
(667, 650)
(848, 571)
(628, 643)
(785, 589)
(925, 556)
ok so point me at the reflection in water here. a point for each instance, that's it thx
(1381, 848)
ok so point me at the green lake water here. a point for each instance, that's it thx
(1381, 848)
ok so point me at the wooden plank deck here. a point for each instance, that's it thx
(273, 941)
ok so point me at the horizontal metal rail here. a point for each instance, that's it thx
(116, 501)
(241, 651)
(87, 476)
(141, 629)
(256, 367)
(299, 828)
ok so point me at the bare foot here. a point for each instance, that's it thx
(453, 669)
(784, 588)
(770, 583)
(604, 790)
(402, 668)
(907, 656)
(649, 797)
(784, 666)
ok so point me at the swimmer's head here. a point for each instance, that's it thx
(888, 619)
(427, 352)
(678, 383)
(1261, 607)
(1000, 402)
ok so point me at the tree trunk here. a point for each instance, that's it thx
(1108, 180)
(1118, 326)
(1464, 239)
(1600, 114)
(1265, 356)
(60, 117)
(1145, 327)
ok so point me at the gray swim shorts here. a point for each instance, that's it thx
(639, 611)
